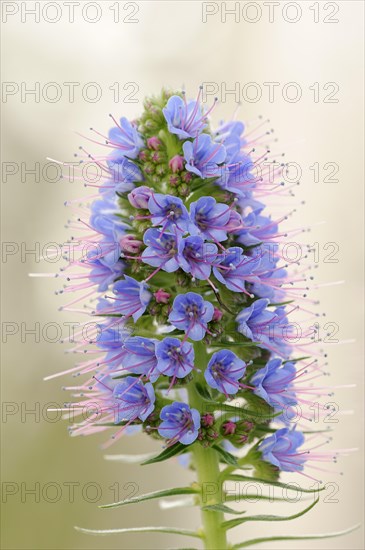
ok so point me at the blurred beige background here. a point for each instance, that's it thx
(169, 45)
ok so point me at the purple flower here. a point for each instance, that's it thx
(203, 156)
(224, 370)
(124, 172)
(274, 384)
(281, 450)
(111, 338)
(126, 138)
(179, 423)
(104, 216)
(162, 250)
(229, 134)
(196, 256)
(238, 178)
(266, 327)
(258, 229)
(140, 357)
(133, 399)
(191, 313)
(175, 358)
(185, 119)
(209, 219)
(139, 197)
(235, 269)
(269, 277)
(132, 297)
(104, 275)
(169, 212)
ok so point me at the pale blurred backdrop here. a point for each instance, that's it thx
(170, 45)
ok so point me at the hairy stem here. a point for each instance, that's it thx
(206, 462)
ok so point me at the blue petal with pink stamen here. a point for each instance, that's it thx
(184, 266)
(175, 358)
(179, 423)
(203, 156)
(281, 450)
(191, 313)
(224, 370)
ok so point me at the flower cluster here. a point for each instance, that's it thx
(189, 290)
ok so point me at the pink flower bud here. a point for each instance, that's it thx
(139, 196)
(217, 315)
(207, 420)
(161, 296)
(176, 164)
(154, 143)
(129, 243)
(229, 427)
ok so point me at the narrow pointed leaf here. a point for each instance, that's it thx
(152, 496)
(172, 530)
(251, 542)
(266, 517)
(203, 392)
(253, 497)
(227, 457)
(239, 477)
(167, 453)
(222, 508)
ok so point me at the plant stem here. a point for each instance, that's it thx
(206, 462)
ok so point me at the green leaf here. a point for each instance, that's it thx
(251, 542)
(266, 517)
(253, 497)
(240, 477)
(221, 508)
(151, 496)
(228, 458)
(172, 530)
(203, 392)
(167, 453)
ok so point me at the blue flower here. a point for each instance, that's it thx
(126, 138)
(196, 256)
(258, 229)
(224, 370)
(269, 277)
(124, 173)
(175, 358)
(191, 313)
(281, 450)
(274, 383)
(133, 399)
(229, 134)
(104, 275)
(104, 216)
(169, 212)
(162, 250)
(185, 119)
(140, 357)
(209, 219)
(179, 423)
(238, 178)
(203, 156)
(132, 297)
(235, 269)
(268, 328)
